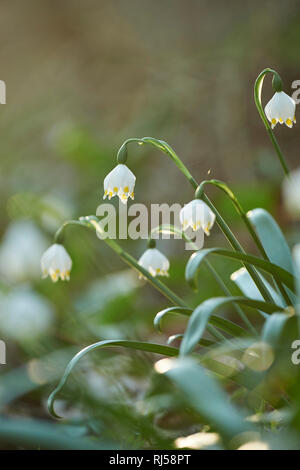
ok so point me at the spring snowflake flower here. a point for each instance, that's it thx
(155, 262)
(56, 263)
(281, 108)
(119, 182)
(196, 214)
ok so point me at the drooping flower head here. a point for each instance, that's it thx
(281, 108)
(155, 262)
(196, 214)
(56, 263)
(119, 182)
(291, 194)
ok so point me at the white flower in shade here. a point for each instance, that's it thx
(155, 262)
(197, 214)
(119, 182)
(281, 108)
(20, 252)
(56, 263)
(291, 194)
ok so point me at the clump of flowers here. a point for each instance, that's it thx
(119, 182)
(241, 351)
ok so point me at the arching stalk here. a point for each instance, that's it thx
(257, 98)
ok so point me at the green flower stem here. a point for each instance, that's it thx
(238, 247)
(173, 229)
(228, 294)
(257, 98)
(223, 186)
(164, 147)
(225, 290)
(92, 222)
(59, 235)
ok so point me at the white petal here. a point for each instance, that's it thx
(119, 181)
(280, 108)
(56, 262)
(197, 214)
(155, 262)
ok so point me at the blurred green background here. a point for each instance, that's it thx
(81, 78)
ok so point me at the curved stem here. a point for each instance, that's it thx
(164, 147)
(213, 272)
(257, 98)
(228, 294)
(59, 234)
(223, 186)
(92, 222)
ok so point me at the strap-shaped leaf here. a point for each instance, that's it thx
(201, 315)
(197, 258)
(202, 393)
(272, 238)
(273, 328)
(177, 310)
(226, 325)
(245, 283)
(137, 345)
(206, 343)
(40, 434)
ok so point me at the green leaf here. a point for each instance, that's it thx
(245, 283)
(137, 345)
(203, 394)
(201, 315)
(272, 238)
(206, 343)
(196, 259)
(177, 310)
(18, 382)
(226, 325)
(38, 434)
(273, 328)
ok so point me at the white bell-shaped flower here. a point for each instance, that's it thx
(56, 263)
(119, 182)
(196, 214)
(281, 108)
(155, 262)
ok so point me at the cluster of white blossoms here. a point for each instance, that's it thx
(197, 215)
(119, 182)
(281, 108)
(56, 263)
